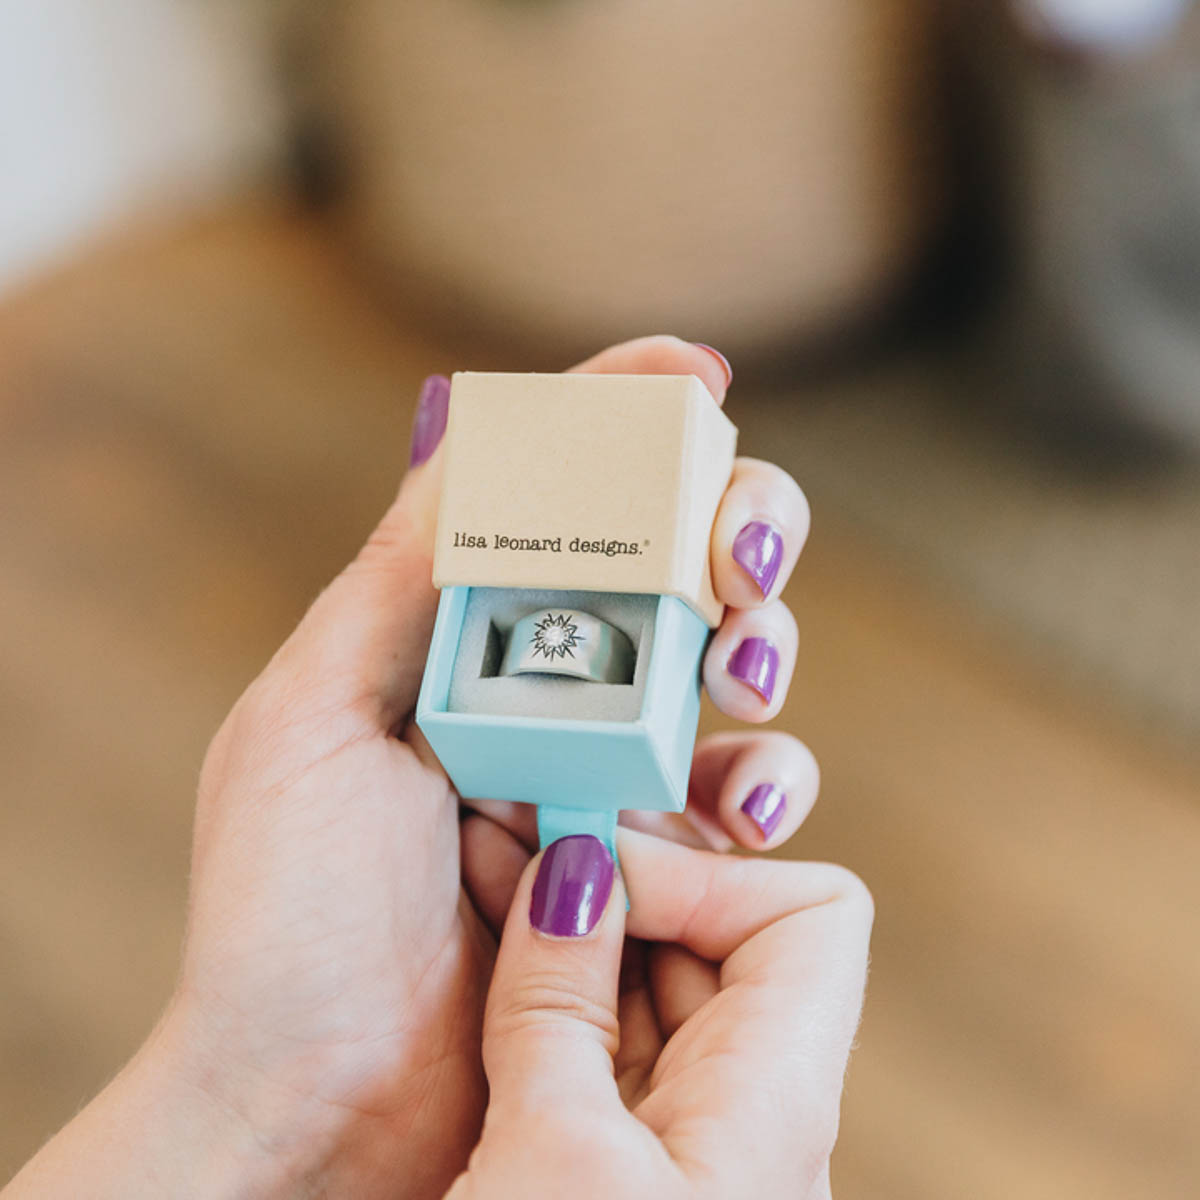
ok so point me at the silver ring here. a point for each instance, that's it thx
(568, 642)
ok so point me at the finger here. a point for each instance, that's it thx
(550, 1028)
(713, 903)
(682, 983)
(760, 529)
(498, 838)
(492, 861)
(664, 355)
(680, 828)
(748, 665)
(765, 1062)
(641, 1038)
(758, 786)
(359, 652)
(518, 820)
(686, 828)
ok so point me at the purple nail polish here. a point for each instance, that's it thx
(765, 806)
(756, 663)
(720, 358)
(573, 883)
(430, 422)
(758, 550)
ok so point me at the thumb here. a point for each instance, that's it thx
(550, 1028)
(364, 639)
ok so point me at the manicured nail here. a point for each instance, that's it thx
(430, 422)
(755, 662)
(720, 358)
(758, 550)
(765, 806)
(574, 881)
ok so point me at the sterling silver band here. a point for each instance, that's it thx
(568, 642)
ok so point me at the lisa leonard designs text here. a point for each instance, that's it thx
(550, 545)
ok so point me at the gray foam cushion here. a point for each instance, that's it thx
(490, 616)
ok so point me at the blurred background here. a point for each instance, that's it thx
(954, 254)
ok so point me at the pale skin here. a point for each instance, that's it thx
(361, 984)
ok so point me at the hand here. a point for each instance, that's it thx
(708, 1063)
(326, 1028)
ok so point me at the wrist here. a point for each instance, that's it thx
(174, 1122)
(241, 1132)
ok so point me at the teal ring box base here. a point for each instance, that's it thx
(580, 755)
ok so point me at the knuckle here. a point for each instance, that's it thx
(789, 745)
(395, 542)
(853, 893)
(778, 620)
(781, 484)
(794, 501)
(282, 717)
(664, 344)
(257, 706)
(263, 710)
(801, 512)
(788, 620)
(807, 760)
(544, 1001)
(775, 740)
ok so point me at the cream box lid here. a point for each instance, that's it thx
(598, 482)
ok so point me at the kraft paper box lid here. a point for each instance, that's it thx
(598, 482)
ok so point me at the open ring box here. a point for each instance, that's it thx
(594, 493)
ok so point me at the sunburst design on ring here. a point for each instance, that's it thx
(556, 637)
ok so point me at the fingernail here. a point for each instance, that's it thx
(758, 550)
(574, 881)
(430, 422)
(720, 358)
(765, 806)
(755, 662)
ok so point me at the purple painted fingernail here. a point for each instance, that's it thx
(756, 663)
(720, 358)
(758, 550)
(573, 883)
(430, 422)
(765, 806)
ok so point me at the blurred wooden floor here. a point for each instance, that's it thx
(196, 430)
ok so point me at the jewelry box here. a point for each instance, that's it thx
(575, 517)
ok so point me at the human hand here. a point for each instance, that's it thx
(326, 1027)
(701, 1056)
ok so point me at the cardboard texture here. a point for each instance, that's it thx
(604, 483)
